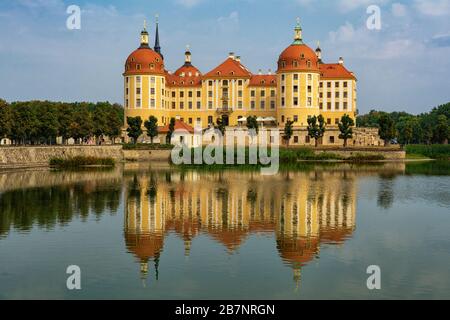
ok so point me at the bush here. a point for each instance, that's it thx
(434, 151)
(362, 157)
(76, 162)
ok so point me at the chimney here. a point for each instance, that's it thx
(231, 55)
(238, 58)
(341, 60)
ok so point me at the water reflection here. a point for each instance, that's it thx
(303, 210)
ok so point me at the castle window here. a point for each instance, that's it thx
(225, 82)
(173, 94)
(309, 89)
(332, 139)
(173, 105)
(240, 93)
(152, 90)
(345, 105)
(210, 83)
(126, 91)
(309, 101)
(345, 94)
(210, 105)
(152, 66)
(336, 121)
(252, 105)
(190, 94)
(218, 73)
(295, 118)
(296, 77)
(138, 79)
(157, 59)
(132, 60)
(181, 94)
(282, 119)
(336, 106)
(295, 64)
(138, 67)
(295, 139)
(308, 63)
(152, 103)
(199, 106)
(240, 104)
(283, 77)
(232, 73)
(337, 94)
(240, 83)
(336, 84)
(329, 121)
(309, 77)
(307, 139)
(138, 103)
(263, 93)
(263, 104)
(295, 88)
(321, 106)
(282, 102)
(272, 93)
(329, 105)
(210, 94)
(127, 103)
(345, 84)
(138, 90)
(295, 101)
(283, 64)
(328, 84)
(181, 105)
(253, 93)
(190, 105)
(210, 120)
(321, 85)
(272, 105)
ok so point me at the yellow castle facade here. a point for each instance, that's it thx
(302, 86)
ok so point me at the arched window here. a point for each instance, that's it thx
(308, 63)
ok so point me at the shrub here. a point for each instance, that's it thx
(81, 162)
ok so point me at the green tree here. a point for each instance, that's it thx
(5, 119)
(171, 131)
(48, 128)
(81, 126)
(134, 129)
(316, 128)
(220, 125)
(387, 129)
(152, 127)
(115, 122)
(288, 131)
(346, 128)
(441, 131)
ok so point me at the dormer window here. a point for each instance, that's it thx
(232, 73)
(308, 63)
(302, 56)
(190, 74)
(283, 64)
(138, 66)
(263, 82)
(182, 74)
(152, 66)
(295, 64)
(218, 73)
(132, 60)
(157, 59)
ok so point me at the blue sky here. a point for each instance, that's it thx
(403, 66)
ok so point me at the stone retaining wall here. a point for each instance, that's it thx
(36, 156)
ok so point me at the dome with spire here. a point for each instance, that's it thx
(188, 69)
(298, 56)
(144, 60)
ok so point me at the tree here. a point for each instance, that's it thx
(288, 132)
(171, 131)
(387, 129)
(134, 129)
(152, 127)
(346, 128)
(5, 119)
(316, 128)
(220, 125)
(115, 122)
(252, 126)
(441, 132)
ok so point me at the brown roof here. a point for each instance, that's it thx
(144, 61)
(229, 68)
(296, 58)
(335, 71)
(263, 81)
(179, 125)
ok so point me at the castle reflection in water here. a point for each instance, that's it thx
(303, 210)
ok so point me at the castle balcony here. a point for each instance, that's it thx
(225, 110)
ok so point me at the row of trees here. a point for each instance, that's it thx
(134, 130)
(41, 122)
(426, 128)
(317, 127)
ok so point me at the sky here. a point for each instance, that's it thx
(404, 66)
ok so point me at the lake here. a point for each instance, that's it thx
(310, 232)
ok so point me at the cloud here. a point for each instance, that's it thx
(441, 40)
(398, 10)
(350, 5)
(433, 7)
(189, 3)
(229, 23)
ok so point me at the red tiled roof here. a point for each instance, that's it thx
(296, 58)
(335, 71)
(144, 61)
(179, 125)
(263, 81)
(229, 68)
(177, 81)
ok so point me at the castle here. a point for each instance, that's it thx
(302, 86)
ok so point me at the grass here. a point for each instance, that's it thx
(77, 162)
(294, 155)
(434, 151)
(144, 146)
